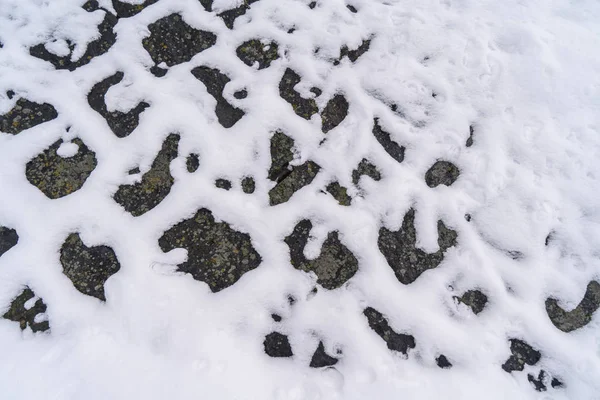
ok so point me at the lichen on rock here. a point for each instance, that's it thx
(365, 167)
(254, 51)
(441, 173)
(400, 342)
(248, 185)
(353, 55)
(581, 315)
(522, 353)
(229, 16)
(26, 317)
(304, 108)
(281, 156)
(392, 148)
(26, 114)
(339, 193)
(8, 239)
(475, 299)
(299, 177)
(334, 112)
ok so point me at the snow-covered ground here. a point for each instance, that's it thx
(125, 129)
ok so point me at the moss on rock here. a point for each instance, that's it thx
(581, 315)
(26, 114)
(339, 193)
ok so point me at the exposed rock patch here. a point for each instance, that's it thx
(248, 185)
(441, 173)
(334, 113)
(26, 317)
(395, 341)
(223, 184)
(469, 142)
(304, 108)
(581, 315)
(392, 148)
(281, 156)
(26, 114)
(474, 299)
(253, 51)
(126, 10)
(321, 359)
(231, 15)
(365, 167)
(522, 354)
(8, 239)
(339, 193)
(192, 162)
(277, 345)
(353, 55)
(442, 362)
(299, 177)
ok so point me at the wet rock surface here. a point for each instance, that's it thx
(474, 299)
(581, 315)
(522, 353)
(365, 167)
(27, 316)
(126, 10)
(56, 176)
(192, 163)
(442, 362)
(248, 185)
(26, 114)
(229, 16)
(88, 267)
(215, 82)
(281, 156)
(392, 148)
(399, 249)
(173, 41)
(277, 345)
(304, 108)
(253, 51)
(156, 184)
(334, 266)
(217, 254)
(395, 341)
(334, 113)
(299, 177)
(441, 173)
(122, 124)
(321, 359)
(8, 239)
(339, 193)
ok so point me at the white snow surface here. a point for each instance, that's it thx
(524, 74)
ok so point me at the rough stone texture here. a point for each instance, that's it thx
(442, 362)
(207, 4)
(581, 315)
(253, 51)
(276, 317)
(352, 9)
(126, 10)
(543, 379)
(192, 162)
(321, 359)
(277, 345)
(215, 82)
(248, 185)
(122, 124)
(94, 49)
(474, 299)
(522, 354)
(334, 112)
(281, 156)
(156, 184)
(8, 239)
(88, 267)
(395, 341)
(304, 108)
(300, 176)
(334, 266)
(223, 184)
(26, 114)
(441, 173)
(217, 254)
(392, 148)
(26, 317)
(339, 193)
(230, 16)
(56, 176)
(399, 249)
(470, 139)
(353, 55)
(173, 42)
(365, 168)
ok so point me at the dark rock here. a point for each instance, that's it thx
(468, 217)
(291, 30)
(470, 139)
(399, 249)
(173, 42)
(321, 359)
(442, 362)
(317, 92)
(441, 173)
(351, 8)
(241, 94)
(143, 196)
(26, 114)
(281, 156)
(395, 341)
(26, 317)
(122, 124)
(538, 383)
(522, 354)
(312, 4)
(335, 265)
(300, 176)
(217, 254)
(56, 176)
(334, 113)
(126, 10)
(8, 239)
(10, 94)
(207, 4)
(365, 168)
(192, 163)
(277, 345)
(88, 267)
(134, 171)
(276, 317)
(556, 383)
(549, 238)
(248, 185)
(581, 315)
(474, 299)
(384, 138)
(291, 300)
(304, 108)
(339, 193)
(223, 184)
(91, 5)
(215, 82)
(253, 51)
(158, 71)
(353, 55)
(230, 16)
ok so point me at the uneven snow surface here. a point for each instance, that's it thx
(378, 199)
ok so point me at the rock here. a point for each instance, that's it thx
(276, 317)
(253, 51)
(27, 316)
(173, 42)
(312, 4)
(399, 249)
(334, 113)
(581, 315)
(230, 16)
(335, 265)
(192, 162)
(8, 239)
(299, 177)
(217, 254)
(122, 124)
(321, 359)
(207, 4)
(126, 10)
(223, 184)
(392, 148)
(541, 382)
(351, 8)
(365, 168)
(339, 193)
(56, 176)
(215, 82)
(442, 362)
(395, 341)
(156, 184)
(353, 55)
(441, 173)
(26, 114)
(304, 108)
(88, 267)
(470, 139)
(241, 94)
(158, 71)
(277, 345)
(474, 299)
(522, 354)
(281, 156)
(248, 185)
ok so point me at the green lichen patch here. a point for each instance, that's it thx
(299, 177)
(335, 265)
(126, 10)
(173, 42)
(26, 114)
(400, 342)
(56, 176)
(253, 51)
(8, 239)
(334, 112)
(474, 299)
(215, 82)
(281, 156)
(392, 148)
(26, 317)
(229, 16)
(277, 345)
(522, 353)
(192, 162)
(248, 185)
(441, 173)
(400, 251)
(365, 167)
(88, 267)
(122, 124)
(156, 184)
(581, 315)
(321, 359)
(339, 193)
(304, 108)
(217, 254)
(353, 55)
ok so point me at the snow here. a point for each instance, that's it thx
(525, 75)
